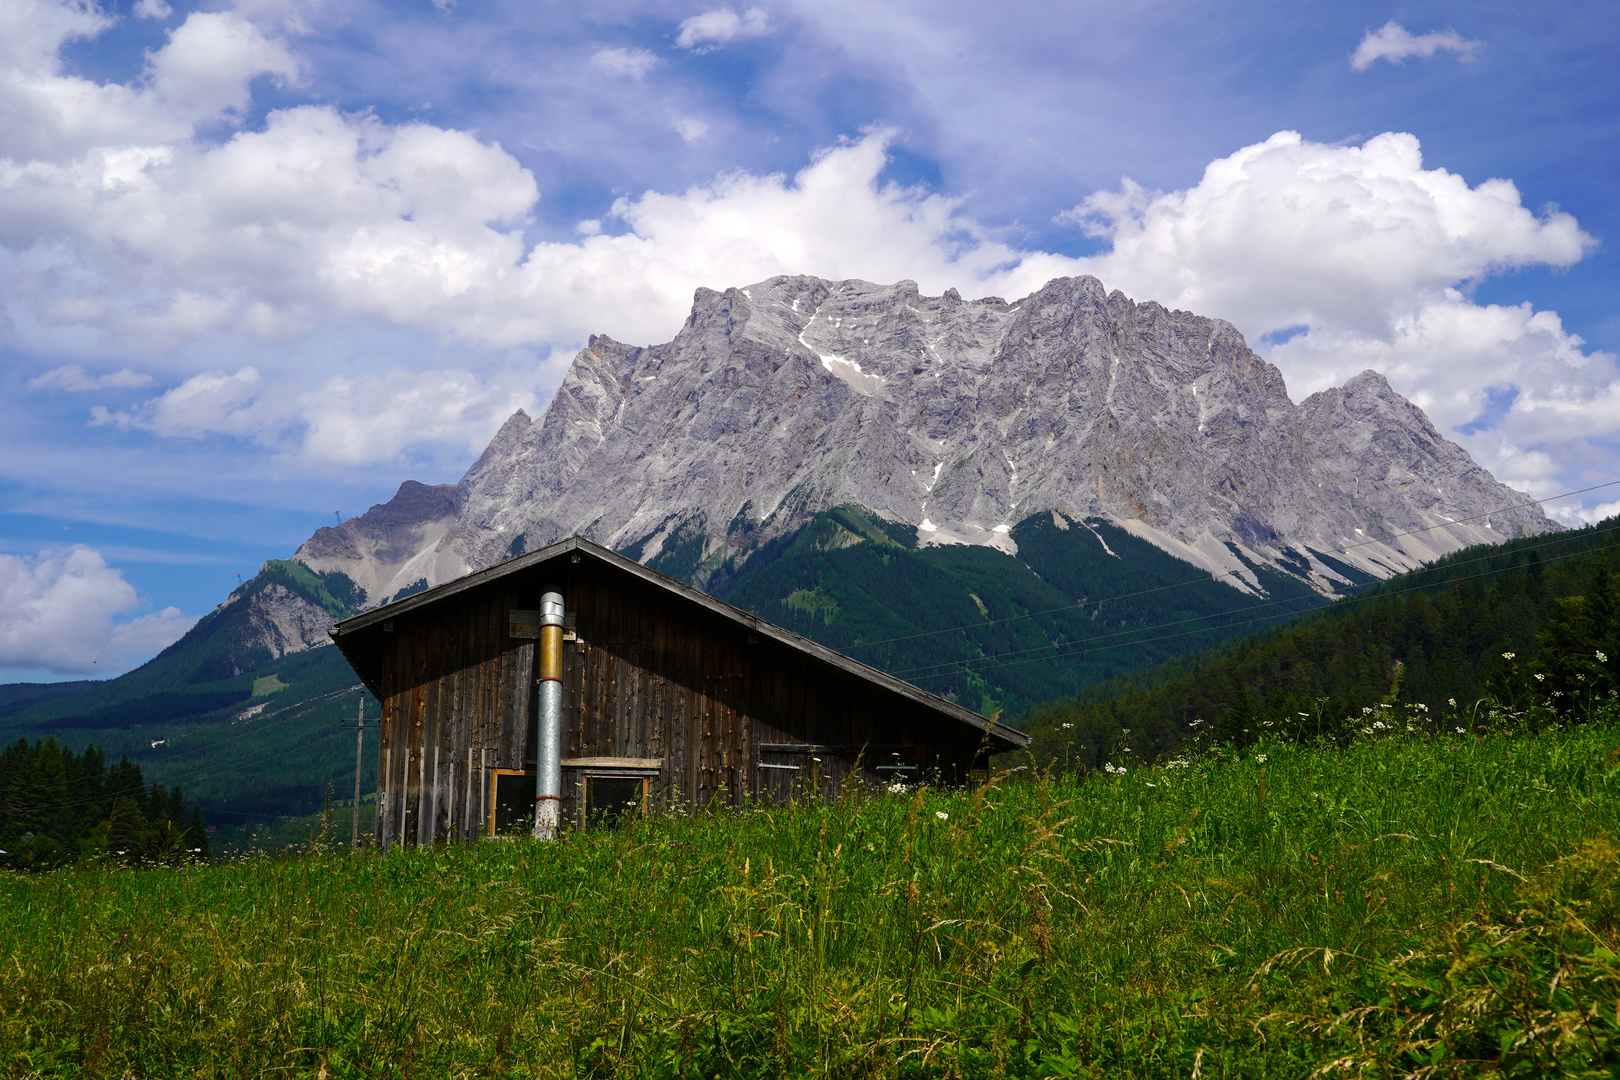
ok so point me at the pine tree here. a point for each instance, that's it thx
(1603, 630)
(125, 828)
(1239, 724)
(197, 837)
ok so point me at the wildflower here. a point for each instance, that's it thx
(1065, 727)
(1462, 731)
(1540, 677)
(1452, 702)
(1601, 658)
(942, 815)
(1378, 725)
(1261, 758)
(1365, 710)
(1508, 655)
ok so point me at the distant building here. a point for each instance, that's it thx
(572, 683)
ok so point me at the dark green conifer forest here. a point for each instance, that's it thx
(1529, 628)
(57, 807)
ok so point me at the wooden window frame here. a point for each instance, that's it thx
(494, 774)
(587, 775)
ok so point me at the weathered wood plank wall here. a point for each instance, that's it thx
(646, 675)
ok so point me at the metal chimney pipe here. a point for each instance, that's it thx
(548, 758)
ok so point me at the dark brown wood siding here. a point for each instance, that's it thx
(647, 675)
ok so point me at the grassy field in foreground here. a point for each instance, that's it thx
(1405, 906)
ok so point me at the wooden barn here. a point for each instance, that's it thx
(572, 683)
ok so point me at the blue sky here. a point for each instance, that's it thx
(260, 262)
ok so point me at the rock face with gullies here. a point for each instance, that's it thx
(960, 418)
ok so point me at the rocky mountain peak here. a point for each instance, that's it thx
(959, 418)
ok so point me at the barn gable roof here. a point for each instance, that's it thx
(359, 637)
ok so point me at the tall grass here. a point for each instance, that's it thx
(1405, 906)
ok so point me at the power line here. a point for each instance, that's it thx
(204, 773)
(1476, 517)
(1240, 611)
(1214, 577)
(1264, 618)
(282, 716)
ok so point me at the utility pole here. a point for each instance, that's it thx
(359, 739)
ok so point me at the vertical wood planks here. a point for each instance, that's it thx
(647, 675)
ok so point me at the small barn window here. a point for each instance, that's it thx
(610, 799)
(511, 800)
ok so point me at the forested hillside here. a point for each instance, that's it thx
(245, 719)
(1081, 602)
(1535, 622)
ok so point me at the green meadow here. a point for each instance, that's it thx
(1420, 905)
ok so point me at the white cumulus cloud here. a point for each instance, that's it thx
(1364, 257)
(1393, 42)
(714, 28)
(630, 63)
(75, 379)
(118, 219)
(345, 421)
(205, 69)
(59, 612)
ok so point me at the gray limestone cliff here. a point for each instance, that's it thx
(958, 418)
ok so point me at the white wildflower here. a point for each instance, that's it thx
(1261, 758)
(1602, 659)
(1378, 725)
(1452, 702)
(1365, 710)
(1540, 677)
(942, 815)
(1509, 655)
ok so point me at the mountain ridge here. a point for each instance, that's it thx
(958, 418)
